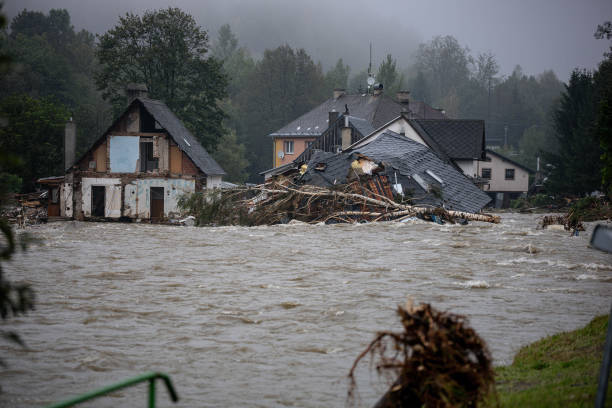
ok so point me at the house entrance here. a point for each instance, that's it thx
(157, 203)
(98, 197)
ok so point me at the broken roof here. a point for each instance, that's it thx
(415, 165)
(374, 109)
(177, 131)
(181, 136)
(459, 138)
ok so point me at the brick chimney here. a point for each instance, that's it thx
(339, 92)
(133, 91)
(69, 144)
(403, 98)
(333, 115)
(346, 133)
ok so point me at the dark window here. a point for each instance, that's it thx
(157, 203)
(147, 161)
(98, 197)
(509, 174)
(147, 122)
(486, 173)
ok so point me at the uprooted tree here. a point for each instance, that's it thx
(280, 201)
(437, 360)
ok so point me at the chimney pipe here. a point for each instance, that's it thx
(133, 91)
(69, 144)
(378, 89)
(339, 92)
(333, 115)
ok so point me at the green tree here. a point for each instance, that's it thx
(486, 70)
(445, 64)
(15, 299)
(231, 155)
(603, 126)
(284, 85)
(576, 165)
(337, 77)
(389, 76)
(226, 43)
(358, 83)
(34, 133)
(166, 50)
(53, 61)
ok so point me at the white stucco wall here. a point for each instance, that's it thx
(112, 195)
(213, 181)
(399, 126)
(66, 203)
(498, 182)
(173, 189)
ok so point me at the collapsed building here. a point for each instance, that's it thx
(137, 169)
(397, 165)
(432, 161)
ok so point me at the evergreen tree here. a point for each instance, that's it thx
(576, 165)
(337, 77)
(388, 76)
(34, 134)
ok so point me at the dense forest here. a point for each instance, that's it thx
(231, 100)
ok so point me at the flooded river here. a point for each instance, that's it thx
(275, 316)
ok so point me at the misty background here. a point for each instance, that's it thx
(538, 35)
(510, 64)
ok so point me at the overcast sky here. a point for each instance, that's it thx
(536, 34)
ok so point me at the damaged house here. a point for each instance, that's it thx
(396, 165)
(138, 168)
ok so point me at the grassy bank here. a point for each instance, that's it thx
(557, 371)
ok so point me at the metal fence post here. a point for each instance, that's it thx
(152, 393)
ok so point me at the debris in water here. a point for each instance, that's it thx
(436, 361)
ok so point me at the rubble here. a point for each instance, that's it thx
(280, 201)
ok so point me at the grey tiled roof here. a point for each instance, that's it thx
(181, 136)
(404, 158)
(361, 125)
(376, 110)
(509, 160)
(458, 138)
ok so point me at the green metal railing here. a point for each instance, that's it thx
(150, 377)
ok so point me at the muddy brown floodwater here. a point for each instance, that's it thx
(274, 316)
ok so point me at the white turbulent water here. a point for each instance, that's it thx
(275, 316)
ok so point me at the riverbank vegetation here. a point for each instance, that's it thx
(558, 371)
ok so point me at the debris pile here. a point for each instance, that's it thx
(436, 361)
(26, 209)
(281, 201)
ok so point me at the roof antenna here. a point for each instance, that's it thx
(370, 76)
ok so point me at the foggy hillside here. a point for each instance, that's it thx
(536, 35)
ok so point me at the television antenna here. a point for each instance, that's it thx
(370, 79)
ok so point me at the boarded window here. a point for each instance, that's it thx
(509, 174)
(147, 160)
(486, 173)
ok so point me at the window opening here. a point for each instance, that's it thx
(509, 174)
(486, 173)
(147, 161)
